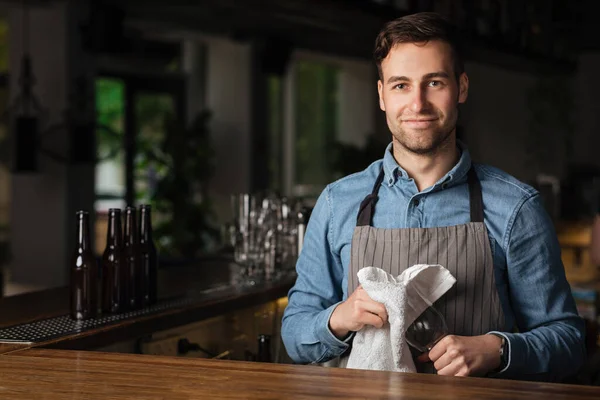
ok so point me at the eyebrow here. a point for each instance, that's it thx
(430, 75)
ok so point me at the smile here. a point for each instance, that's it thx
(419, 123)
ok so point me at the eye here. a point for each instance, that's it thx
(400, 86)
(435, 83)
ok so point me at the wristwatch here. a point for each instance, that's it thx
(503, 353)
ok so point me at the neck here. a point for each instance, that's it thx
(427, 169)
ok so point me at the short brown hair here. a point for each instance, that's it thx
(418, 28)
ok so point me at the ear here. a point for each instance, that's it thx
(463, 88)
(380, 91)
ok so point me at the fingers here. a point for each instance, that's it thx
(437, 353)
(365, 303)
(464, 356)
(368, 312)
(445, 360)
(372, 319)
(456, 368)
(445, 357)
(373, 307)
(356, 312)
(441, 347)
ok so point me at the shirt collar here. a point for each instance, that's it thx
(394, 172)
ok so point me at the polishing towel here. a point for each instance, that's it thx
(404, 298)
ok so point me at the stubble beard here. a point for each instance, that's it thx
(440, 139)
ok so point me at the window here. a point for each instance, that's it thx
(153, 112)
(328, 104)
(133, 116)
(110, 170)
(316, 121)
(314, 126)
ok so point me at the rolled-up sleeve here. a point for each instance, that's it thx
(317, 291)
(550, 344)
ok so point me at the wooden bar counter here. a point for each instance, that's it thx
(59, 369)
(207, 284)
(66, 374)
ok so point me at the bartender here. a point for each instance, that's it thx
(511, 313)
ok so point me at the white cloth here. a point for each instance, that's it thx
(404, 298)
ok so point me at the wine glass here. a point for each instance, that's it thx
(428, 329)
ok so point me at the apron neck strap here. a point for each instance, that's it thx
(475, 197)
(367, 206)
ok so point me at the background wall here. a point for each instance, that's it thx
(496, 118)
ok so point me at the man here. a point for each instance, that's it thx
(425, 202)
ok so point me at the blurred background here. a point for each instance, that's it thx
(181, 104)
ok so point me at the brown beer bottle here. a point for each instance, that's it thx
(148, 259)
(84, 273)
(131, 257)
(113, 265)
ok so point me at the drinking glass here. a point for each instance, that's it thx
(428, 329)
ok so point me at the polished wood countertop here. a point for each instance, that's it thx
(60, 374)
(213, 296)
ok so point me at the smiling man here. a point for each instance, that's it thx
(511, 313)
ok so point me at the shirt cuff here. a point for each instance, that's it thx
(510, 352)
(326, 337)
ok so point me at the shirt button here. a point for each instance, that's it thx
(416, 202)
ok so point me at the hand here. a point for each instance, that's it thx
(357, 311)
(465, 355)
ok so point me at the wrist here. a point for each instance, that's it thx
(335, 327)
(502, 346)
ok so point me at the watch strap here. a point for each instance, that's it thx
(503, 352)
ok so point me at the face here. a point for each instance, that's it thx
(420, 95)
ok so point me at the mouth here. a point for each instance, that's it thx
(419, 122)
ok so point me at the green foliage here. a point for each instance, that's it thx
(184, 163)
(110, 109)
(316, 121)
(110, 98)
(173, 165)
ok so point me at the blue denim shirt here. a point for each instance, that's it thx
(530, 278)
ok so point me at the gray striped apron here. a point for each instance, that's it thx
(472, 306)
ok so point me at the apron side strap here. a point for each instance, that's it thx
(475, 197)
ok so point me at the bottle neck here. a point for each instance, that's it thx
(83, 232)
(130, 232)
(145, 226)
(114, 235)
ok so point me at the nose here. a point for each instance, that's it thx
(419, 100)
